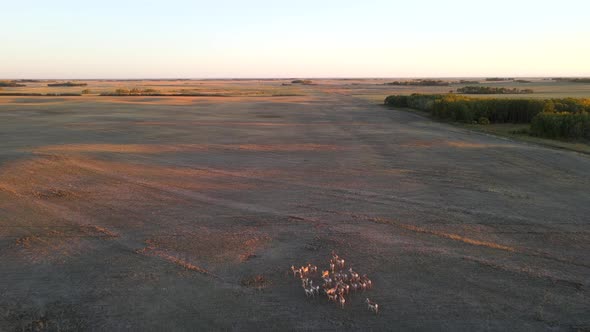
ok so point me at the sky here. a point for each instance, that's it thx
(284, 39)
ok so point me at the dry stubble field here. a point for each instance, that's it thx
(152, 213)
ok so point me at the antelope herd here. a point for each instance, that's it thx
(337, 282)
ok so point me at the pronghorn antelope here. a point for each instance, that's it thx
(304, 270)
(334, 255)
(341, 275)
(340, 263)
(368, 281)
(305, 282)
(331, 291)
(315, 290)
(332, 297)
(295, 271)
(363, 285)
(372, 306)
(342, 300)
(312, 268)
(353, 275)
(309, 292)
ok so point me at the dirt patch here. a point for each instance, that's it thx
(257, 282)
(213, 246)
(153, 250)
(53, 193)
(54, 246)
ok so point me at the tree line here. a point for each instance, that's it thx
(419, 83)
(66, 84)
(132, 92)
(572, 80)
(11, 84)
(488, 90)
(553, 118)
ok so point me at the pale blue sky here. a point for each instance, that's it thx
(258, 38)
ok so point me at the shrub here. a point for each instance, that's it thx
(523, 131)
(483, 120)
(86, 92)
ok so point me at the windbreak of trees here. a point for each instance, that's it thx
(554, 118)
(420, 83)
(304, 82)
(132, 92)
(464, 109)
(10, 84)
(66, 84)
(34, 94)
(416, 100)
(499, 79)
(572, 80)
(488, 90)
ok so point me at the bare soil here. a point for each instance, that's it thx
(187, 213)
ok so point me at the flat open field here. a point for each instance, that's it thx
(185, 213)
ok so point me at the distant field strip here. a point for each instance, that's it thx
(162, 148)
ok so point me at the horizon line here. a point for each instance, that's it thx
(290, 78)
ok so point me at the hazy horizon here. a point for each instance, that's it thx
(280, 78)
(261, 39)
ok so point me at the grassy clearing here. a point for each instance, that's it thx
(514, 131)
(520, 132)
